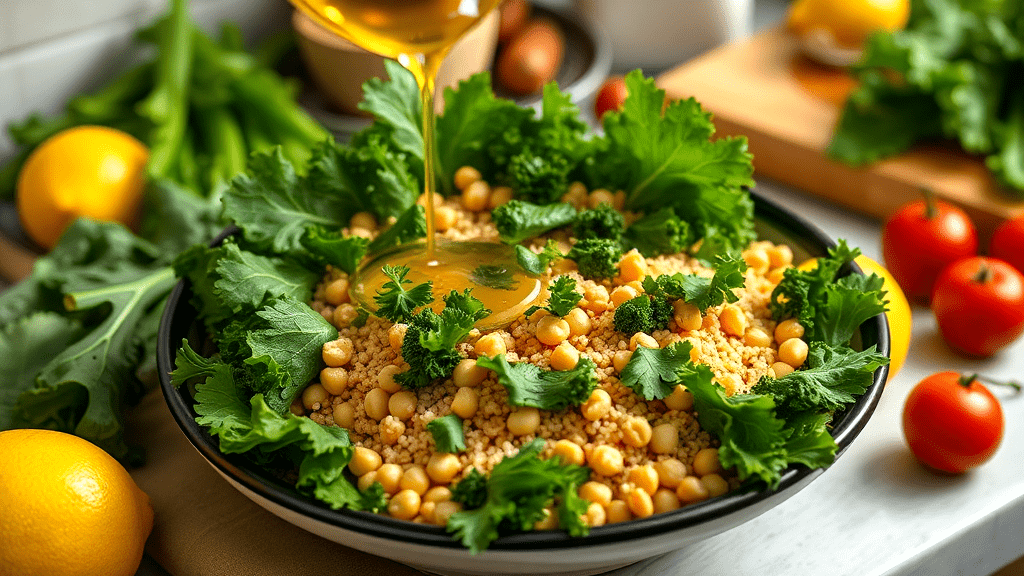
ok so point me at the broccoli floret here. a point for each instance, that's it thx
(425, 365)
(601, 222)
(597, 257)
(661, 232)
(643, 314)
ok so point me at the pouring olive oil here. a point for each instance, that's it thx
(419, 34)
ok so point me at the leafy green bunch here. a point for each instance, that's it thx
(954, 73)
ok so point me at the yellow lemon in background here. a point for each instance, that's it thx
(68, 508)
(898, 313)
(85, 171)
(849, 21)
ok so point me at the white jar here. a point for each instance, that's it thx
(656, 34)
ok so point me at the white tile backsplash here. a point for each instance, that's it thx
(51, 50)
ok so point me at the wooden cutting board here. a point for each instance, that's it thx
(787, 106)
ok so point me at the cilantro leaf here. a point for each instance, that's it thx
(535, 263)
(517, 220)
(493, 276)
(654, 373)
(394, 302)
(514, 496)
(447, 433)
(596, 257)
(834, 378)
(562, 297)
(528, 385)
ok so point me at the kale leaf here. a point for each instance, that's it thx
(518, 220)
(528, 385)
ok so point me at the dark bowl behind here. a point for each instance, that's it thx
(179, 321)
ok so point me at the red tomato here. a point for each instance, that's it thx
(952, 423)
(611, 96)
(979, 304)
(918, 243)
(1008, 243)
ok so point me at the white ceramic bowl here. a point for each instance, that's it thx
(430, 549)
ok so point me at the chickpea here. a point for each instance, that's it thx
(695, 349)
(389, 476)
(734, 322)
(596, 492)
(314, 396)
(344, 315)
(620, 359)
(443, 467)
(606, 460)
(467, 374)
(334, 380)
(787, 329)
(793, 352)
(597, 405)
(619, 200)
(776, 275)
(679, 399)
(475, 197)
(366, 480)
(337, 353)
(402, 405)
(639, 503)
(344, 415)
(665, 500)
(337, 292)
(731, 382)
(757, 338)
(691, 490)
(396, 334)
(596, 515)
(564, 356)
(706, 462)
(386, 379)
(363, 220)
(596, 298)
(636, 432)
(640, 339)
(499, 195)
(757, 259)
(687, 316)
(361, 232)
(490, 345)
(780, 256)
(523, 421)
(576, 195)
(426, 513)
(552, 330)
(438, 494)
(780, 369)
(465, 176)
(444, 510)
(415, 478)
(670, 472)
(579, 322)
(715, 484)
(376, 403)
(422, 199)
(296, 407)
(632, 267)
(445, 217)
(364, 460)
(618, 511)
(598, 197)
(405, 505)
(548, 522)
(569, 452)
(664, 439)
(466, 403)
(645, 478)
(622, 294)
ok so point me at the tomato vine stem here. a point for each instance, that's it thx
(966, 382)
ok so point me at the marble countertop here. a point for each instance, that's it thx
(876, 511)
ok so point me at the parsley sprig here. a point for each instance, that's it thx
(394, 302)
(562, 297)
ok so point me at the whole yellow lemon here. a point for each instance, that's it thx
(898, 314)
(68, 508)
(85, 171)
(849, 21)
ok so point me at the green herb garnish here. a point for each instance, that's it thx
(447, 433)
(528, 385)
(562, 297)
(394, 302)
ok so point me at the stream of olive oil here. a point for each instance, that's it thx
(419, 34)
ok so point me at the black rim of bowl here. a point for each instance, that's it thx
(177, 323)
